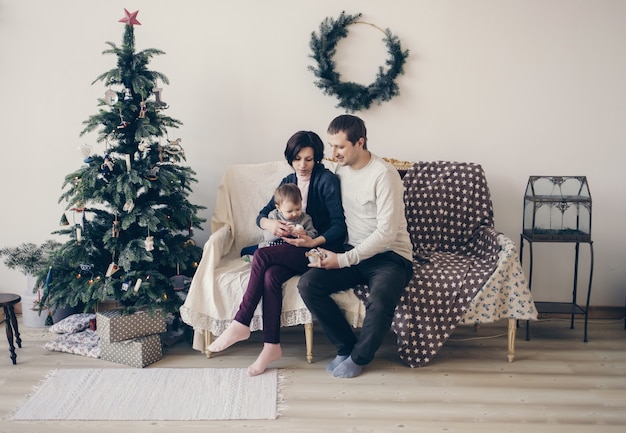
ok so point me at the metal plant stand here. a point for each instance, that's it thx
(557, 209)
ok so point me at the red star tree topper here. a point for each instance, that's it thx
(130, 18)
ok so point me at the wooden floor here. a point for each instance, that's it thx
(556, 384)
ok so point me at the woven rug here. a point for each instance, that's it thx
(154, 394)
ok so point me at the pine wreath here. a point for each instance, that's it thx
(353, 96)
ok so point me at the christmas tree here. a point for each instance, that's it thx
(130, 222)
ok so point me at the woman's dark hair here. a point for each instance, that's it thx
(301, 140)
(353, 126)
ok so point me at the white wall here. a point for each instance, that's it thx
(523, 87)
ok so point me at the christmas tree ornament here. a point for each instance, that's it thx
(157, 95)
(110, 97)
(84, 269)
(123, 124)
(115, 232)
(113, 268)
(64, 221)
(143, 146)
(152, 173)
(126, 285)
(85, 150)
(143, 108)
(149, 243)
(163, 158)
(175, 148)
(49, 320)
(127, 94)
(180, 282)
(78, 230)
(130, 18)
(137, 285)
(129, 205)
(107, 164)
(106, 168)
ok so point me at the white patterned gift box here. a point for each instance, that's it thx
(137, 352)
(114, 326)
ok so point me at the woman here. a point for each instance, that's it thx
(272, 266)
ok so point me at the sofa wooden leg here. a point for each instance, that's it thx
(308, 339)
(208, 337)
(511, 337)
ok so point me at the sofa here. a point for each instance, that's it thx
(465, 271)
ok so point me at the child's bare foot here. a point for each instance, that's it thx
(235, 332)
(270, 353)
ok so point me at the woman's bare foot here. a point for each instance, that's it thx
(235, 332)
(270, 353)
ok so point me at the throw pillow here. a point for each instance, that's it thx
(72, 324)
(85, 343)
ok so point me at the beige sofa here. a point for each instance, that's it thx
(222, 275)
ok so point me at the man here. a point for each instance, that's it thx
(378, 251)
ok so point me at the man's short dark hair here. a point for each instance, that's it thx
(353, 126)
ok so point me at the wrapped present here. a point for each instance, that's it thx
(137, 352)
(113, 326)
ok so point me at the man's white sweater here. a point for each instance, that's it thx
(373, 203)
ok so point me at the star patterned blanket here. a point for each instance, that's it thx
(455, 252)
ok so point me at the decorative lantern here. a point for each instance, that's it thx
(557, 209)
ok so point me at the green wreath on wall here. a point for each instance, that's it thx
(353, 96)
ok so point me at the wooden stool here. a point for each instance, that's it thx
(7, 301)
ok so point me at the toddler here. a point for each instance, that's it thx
(288, 200)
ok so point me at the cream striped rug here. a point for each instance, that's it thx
(154, 394)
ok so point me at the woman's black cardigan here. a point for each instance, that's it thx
(323, 205)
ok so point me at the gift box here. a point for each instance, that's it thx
(113, 326)
(137, 352)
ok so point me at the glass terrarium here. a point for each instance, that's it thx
(557, 208)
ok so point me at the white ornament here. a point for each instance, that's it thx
(113, 268)
(110, 97)
(129, 205)
(85, 150)
(143, 146)
(149, 243)
(79, 234)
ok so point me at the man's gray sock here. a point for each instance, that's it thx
(347, 369)
(335, 362)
